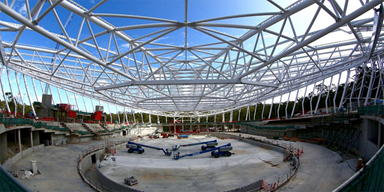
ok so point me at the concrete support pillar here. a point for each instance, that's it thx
(19, 139)
(4, 147)
(31, 137)
(36, 138)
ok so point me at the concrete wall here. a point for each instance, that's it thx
(3, 147)
(36, 138)
(263, 132)
(256, 143)
(9, 162)
(86, 163)
(141, 131)
(59, 139)
(368, 148)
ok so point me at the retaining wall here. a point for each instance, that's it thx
(103, 183)
(263, 132)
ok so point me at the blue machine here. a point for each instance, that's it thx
(223, 150)
(210, 144)
(132, 147)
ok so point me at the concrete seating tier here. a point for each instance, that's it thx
(95, 127)
(114, 127)
(77, 128)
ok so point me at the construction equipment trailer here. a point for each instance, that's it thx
(209, 144)
(223, 150)
(132, 147)
(130, 181)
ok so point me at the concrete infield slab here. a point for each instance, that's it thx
(319, 170)
(157, 172)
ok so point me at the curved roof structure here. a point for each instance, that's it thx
(186, 57)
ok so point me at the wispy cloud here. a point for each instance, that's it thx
(161, 38)
(268, 36)
(125, 45)
(23, 10)
(93, 1)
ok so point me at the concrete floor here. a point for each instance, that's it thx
(319, 170)
(58, 165)
(158, 172)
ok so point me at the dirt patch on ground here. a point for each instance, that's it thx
(239, 151)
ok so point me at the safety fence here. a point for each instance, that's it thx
(9, 183)
(371, 110)
(9, 122)
(271, 127)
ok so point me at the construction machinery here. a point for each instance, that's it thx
(209, 144)
(132, 147)
(223, 150)
(130, 181)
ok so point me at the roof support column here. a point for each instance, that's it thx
(270, 109)
(29, 97)
(294, 104)
(262, 111)
(10, 88)
(302, 102)
(313, 93)
(335, 96)
(326, 99)
(345, 89)
(319, 97)
(353, 90)
(34, 88)
(21, 95)
(2, 89)
(286, 106)
(370, 83)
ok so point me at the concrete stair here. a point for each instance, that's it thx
(88, 128)
(65, 126)
(105, 128)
